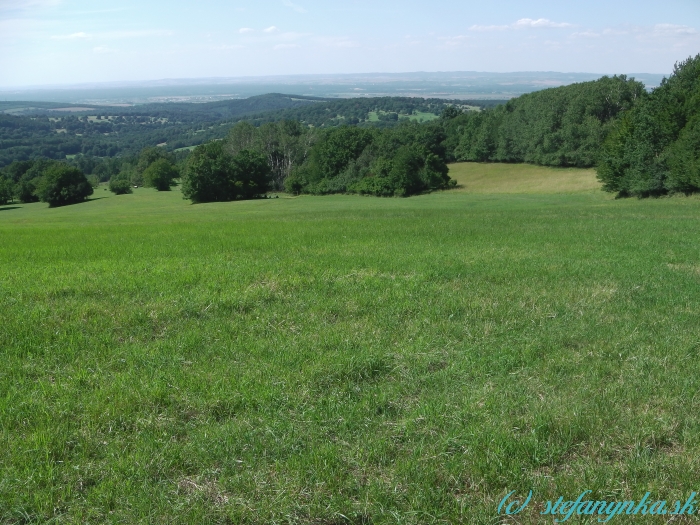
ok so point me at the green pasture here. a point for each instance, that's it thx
(418, 116)
(346, 359)
(422, 116)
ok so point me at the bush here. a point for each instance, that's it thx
(160, 175)
(120, 186)
(62, 184)
(25, 189)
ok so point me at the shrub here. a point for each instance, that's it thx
(62, 184)
(160, 175)
(120, 186)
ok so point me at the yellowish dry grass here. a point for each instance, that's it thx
(473, 177)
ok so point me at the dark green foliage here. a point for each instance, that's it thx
(120, 186)
(6, 190)
(251, 175)
(62, 184)
(655, 148)
(401, 161)
(150, 155)
(556, 127)
(160, 175)
(94, 180)
(336, 149)
(212, 174)
(284, 144)
(27, 175)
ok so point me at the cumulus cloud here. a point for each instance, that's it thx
(271, 29)
(243, 30)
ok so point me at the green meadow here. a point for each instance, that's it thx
(348, 360)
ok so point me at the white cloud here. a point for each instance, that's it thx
(489, 28)
(227, 47)
(585, 34)
(243, 30)
(271, 29)
(540, 22)
(72, 36)
(523, 23)
(454, 41)
(673, 30)
(294, 6)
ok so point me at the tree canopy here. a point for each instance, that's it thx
(212, 174)
(62, 184)
(655, 148)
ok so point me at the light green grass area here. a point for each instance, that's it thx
(345, 359)
(186, 148)
(421, 116)
(475, 177)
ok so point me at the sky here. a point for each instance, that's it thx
(56, 42)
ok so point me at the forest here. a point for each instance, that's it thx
(34, 130)
(642, 143)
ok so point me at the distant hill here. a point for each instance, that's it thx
(32, 129)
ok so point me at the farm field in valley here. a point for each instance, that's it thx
(346, 359)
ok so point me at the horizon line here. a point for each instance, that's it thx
(250, 78)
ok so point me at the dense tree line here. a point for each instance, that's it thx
(655, 148)
(562, 126)
(401, 161)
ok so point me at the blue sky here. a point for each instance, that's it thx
(46, 42)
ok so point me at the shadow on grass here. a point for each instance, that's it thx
(54, 207)
(11, 208)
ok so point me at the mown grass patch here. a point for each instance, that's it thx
(473, 177)
(345, 359)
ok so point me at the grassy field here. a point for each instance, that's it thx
(475, 177)
(345, 359)
(419, 116)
